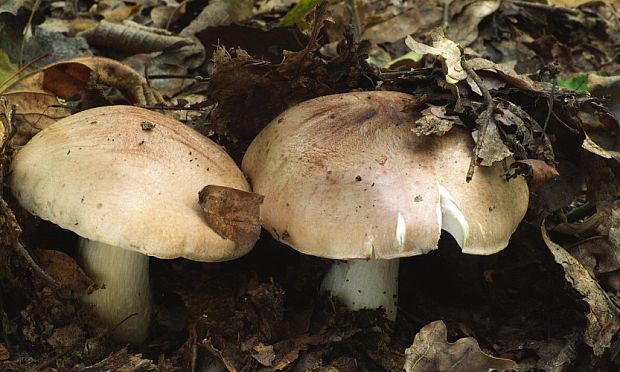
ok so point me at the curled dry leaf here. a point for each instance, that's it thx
(36, 95)
(220, 13)
(233, 214)
(431, 351)
(435, 120)
(447, 51)
(505, 73)
(602, 315)
(464, 29)
(537, 172)
(597, 255)
(132, 37)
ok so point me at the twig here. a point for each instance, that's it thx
(487, 117)
(355, 21)
(24, 253)
(187, 76)
(446, 13)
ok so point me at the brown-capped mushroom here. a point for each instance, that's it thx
(345, 177)
(126, 180)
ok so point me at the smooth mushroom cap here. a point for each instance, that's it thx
(127, 177)
(345, 177)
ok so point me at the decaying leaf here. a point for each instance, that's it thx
(447, 51)
(435, 121)
(264, 354)
(64, 270)
(537, 172)
(431, 351)
(464, 29)
(597, 255)
(37, 95)
(132, 37)
(602, 315)
(220, 13)
(493, 148)
(232, 213)
(122, 361)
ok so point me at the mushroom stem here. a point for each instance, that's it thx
(364, 284)
(125, 275)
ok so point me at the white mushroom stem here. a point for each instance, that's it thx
(125, 275)
(364, 284)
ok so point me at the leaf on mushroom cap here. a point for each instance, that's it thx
(127, 177)
(345, 177)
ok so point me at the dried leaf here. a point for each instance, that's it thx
(37, 95)
(493, 148)
(232, 213)
(264, 354)
(447, 51)
(602, 315)
(64, 270)
(431, 351)
(132, 37)
(220, 13)
(505, 73)
(597, 255)
(435, 121)
(464, 30)
(537, 172)
(122, 361)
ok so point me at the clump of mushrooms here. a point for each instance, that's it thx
(126, 180)
(345, 177)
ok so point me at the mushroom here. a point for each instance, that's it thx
(126, 180)
(344, 177)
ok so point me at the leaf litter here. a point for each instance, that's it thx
(521, 308)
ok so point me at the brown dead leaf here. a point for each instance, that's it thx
(464, 29)
(220, 13)
(447, 51)
(133, 38)
(434, 121)
(36, 95)
(596, 254)
(505, 73)
(233, 214)
(602, 315)
(493, 148)
(64, 270)
(264, 354)
(431, 351)
(537, 172)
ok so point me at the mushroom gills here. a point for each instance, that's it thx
(452, 219)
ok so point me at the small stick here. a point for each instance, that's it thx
(355, 21)
(24, 253)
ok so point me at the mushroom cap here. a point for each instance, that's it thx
(127, 177)
(345, 177)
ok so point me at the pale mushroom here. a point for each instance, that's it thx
(126, 180)
(344, 177)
